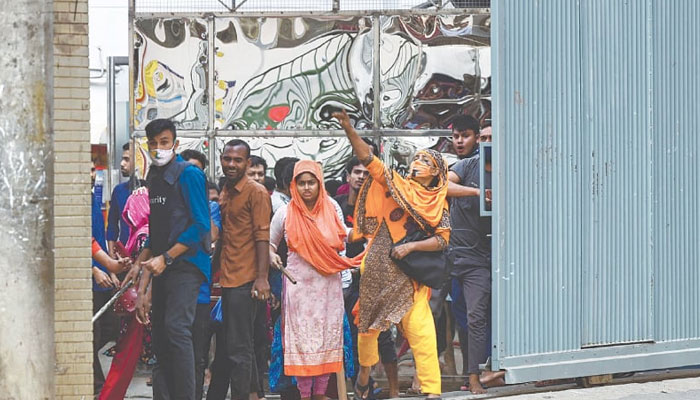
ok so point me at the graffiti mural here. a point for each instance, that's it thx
(434, 68)
(171, 72)
(291, 73)
(331, 152)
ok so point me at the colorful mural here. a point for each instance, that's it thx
(289, 73)
(171, 66)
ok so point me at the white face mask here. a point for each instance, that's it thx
(160, 157)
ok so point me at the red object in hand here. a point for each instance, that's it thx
(126, 303)
(121, 250)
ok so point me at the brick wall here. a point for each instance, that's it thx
(72, 221)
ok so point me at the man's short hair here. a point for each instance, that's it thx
(157, 126)
(236, 143)
(280, 166)
(190, 154)
(332, 186)
(126, 146)
(211, 185)
(352, 163)
(270, 183)
(463, 123)
(287, 174)
(257, 160)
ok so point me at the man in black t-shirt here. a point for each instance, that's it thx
(356, 176)
(471, 257)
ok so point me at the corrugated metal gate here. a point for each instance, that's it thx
(596, 222)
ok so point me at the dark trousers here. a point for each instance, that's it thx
(261, 345)
(174, 301)
(464, 349)
(476, 287)
(437, 306)
(201, 338)
(235, 359)
(102, 332)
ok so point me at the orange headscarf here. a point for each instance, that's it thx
(317, 235)
(427, 206)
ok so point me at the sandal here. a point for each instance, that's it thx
(414, 391)
(361, 392)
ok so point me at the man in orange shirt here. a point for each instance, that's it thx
(245, 240)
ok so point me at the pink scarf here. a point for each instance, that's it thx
(136, 212)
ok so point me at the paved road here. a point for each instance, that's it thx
(662, 385)
(672, 389)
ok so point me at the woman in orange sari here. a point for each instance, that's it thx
(313, 309)
(389, 207)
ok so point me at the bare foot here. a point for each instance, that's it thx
(474, 384)
(492, 378)
(497, 382)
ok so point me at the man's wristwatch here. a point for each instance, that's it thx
(168, 260)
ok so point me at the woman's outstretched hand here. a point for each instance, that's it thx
(344, 119)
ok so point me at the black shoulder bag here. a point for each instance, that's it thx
(430, 268)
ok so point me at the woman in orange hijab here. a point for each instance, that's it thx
(313, 309)
(389, 206)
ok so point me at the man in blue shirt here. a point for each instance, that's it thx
(202, 331)
(117, 228)
(177, 256)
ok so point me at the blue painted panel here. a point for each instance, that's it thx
(676, 169)
(538, 185)
(616, 152)
(596, 176)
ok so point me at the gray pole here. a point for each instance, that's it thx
(26, 169)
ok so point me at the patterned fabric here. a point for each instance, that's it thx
(279, 381)
(348, 353)
(386, 293)
(389, 207)
(404, 198)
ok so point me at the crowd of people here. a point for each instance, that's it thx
(311, 275)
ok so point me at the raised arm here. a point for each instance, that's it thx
(361, 149)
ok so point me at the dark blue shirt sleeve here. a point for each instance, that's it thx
(215, 211)
(113, 218)
(193, 186)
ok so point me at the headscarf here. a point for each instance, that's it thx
(317, 235)
(427, 206)
(136, 212)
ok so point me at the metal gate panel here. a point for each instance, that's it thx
(624, 88)
(676, 182)
(537, 264)
(279, 76)
(616, 147)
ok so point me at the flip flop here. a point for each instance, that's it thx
(361, 392)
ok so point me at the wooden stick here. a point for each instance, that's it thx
(287, 274)
(342, 385)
